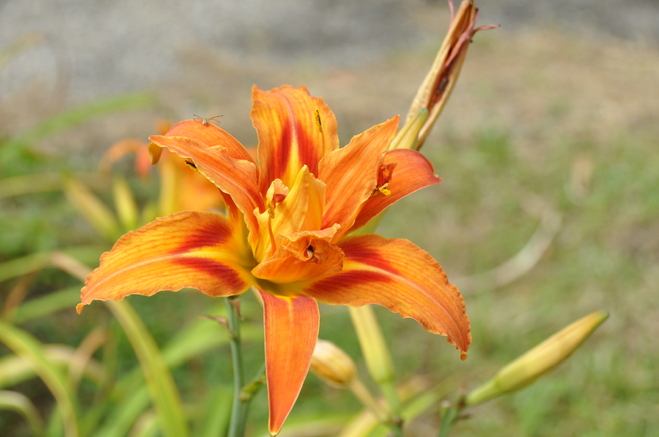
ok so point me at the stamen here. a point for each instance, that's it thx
(273, 244)
(384, 189)
(316, 115)
(191, 164)
(271, 208)
(385, 174)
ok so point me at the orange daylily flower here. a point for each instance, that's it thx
(286, 233)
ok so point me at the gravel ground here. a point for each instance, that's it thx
(100, 48)
(202, 57)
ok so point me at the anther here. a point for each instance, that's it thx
(318, 122)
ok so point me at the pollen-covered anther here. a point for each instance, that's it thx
(384, 190)
(385, 174)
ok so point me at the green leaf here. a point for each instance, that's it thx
(14, 369)
(47, 304)
(218, 412)
(162, 389)
(28, 348)
(194, 339)
(39, 261)
(121, 419)
(13, 149)
(18, 402)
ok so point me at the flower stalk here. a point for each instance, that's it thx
(240, 407)
(378, 360)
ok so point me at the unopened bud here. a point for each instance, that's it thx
(408, 135)
(538, 361)
(332, 364)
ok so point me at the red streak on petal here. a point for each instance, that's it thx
(230, 278)
(212, 234)
(283, 153)
(307, 150)
(341, 282)
(365, 254)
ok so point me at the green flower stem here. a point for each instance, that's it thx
(249, 390)
(448, 417)
(378, 360)
(366, 398)
(391, 395)
(239, 409)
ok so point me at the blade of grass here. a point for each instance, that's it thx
(218, 412)
(24, 42)
(47, 304)
(196, 338)
(45, 183)
(145, 426)
(18, 402)
(83, 354)
(97, 214)
(121, 418)
(28, 348)
(76, 116)
(14, 369)
(164, 394)
(30, 183)
(39, 261)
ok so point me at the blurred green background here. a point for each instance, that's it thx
(548, 210)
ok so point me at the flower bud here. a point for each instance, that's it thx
(408, 135)
(538, 361)
(332, 364)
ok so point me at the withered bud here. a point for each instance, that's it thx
(443, 75)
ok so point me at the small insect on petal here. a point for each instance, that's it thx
(206, 121)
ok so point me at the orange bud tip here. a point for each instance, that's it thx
(463, 356)
(80, 307)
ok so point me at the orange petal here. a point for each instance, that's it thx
(237, 177)
(351, 174)
(183, 250)
(401, 277)
(294, 130)
(301, 257)
(209, 135)
(411, 173)
(291, 331)
(194, 192)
